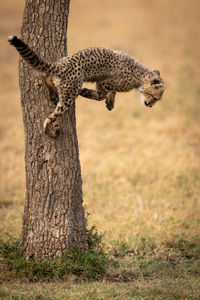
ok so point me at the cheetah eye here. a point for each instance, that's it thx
(155, 81)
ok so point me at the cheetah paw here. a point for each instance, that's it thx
(109, 104)
(51, 128)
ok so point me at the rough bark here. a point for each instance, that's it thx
(53, 218)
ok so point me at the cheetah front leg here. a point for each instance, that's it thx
(110, 100)
(100, 94)
(93, 94)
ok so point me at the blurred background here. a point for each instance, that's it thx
(140, 166)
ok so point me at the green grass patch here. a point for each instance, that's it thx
(91, 264)
(124, 262)
(125, 271)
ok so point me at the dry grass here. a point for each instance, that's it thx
(140, 166)
(99, 291)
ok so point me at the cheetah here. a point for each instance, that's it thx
(113, 71)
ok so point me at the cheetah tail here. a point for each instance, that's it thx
(29, 55)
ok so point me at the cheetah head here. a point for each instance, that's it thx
(152, 88)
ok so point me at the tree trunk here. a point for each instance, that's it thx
(53, 218)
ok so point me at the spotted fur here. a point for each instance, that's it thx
(113, 71)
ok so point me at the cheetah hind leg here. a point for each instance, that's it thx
(51, 87)
(51, 126)
(110, 100)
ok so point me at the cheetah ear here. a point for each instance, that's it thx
(157, 72)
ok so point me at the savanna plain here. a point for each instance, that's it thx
(140, 166)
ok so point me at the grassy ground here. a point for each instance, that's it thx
(140, 166)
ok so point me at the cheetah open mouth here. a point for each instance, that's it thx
(151, 103)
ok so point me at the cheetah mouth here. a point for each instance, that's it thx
(150, 104)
